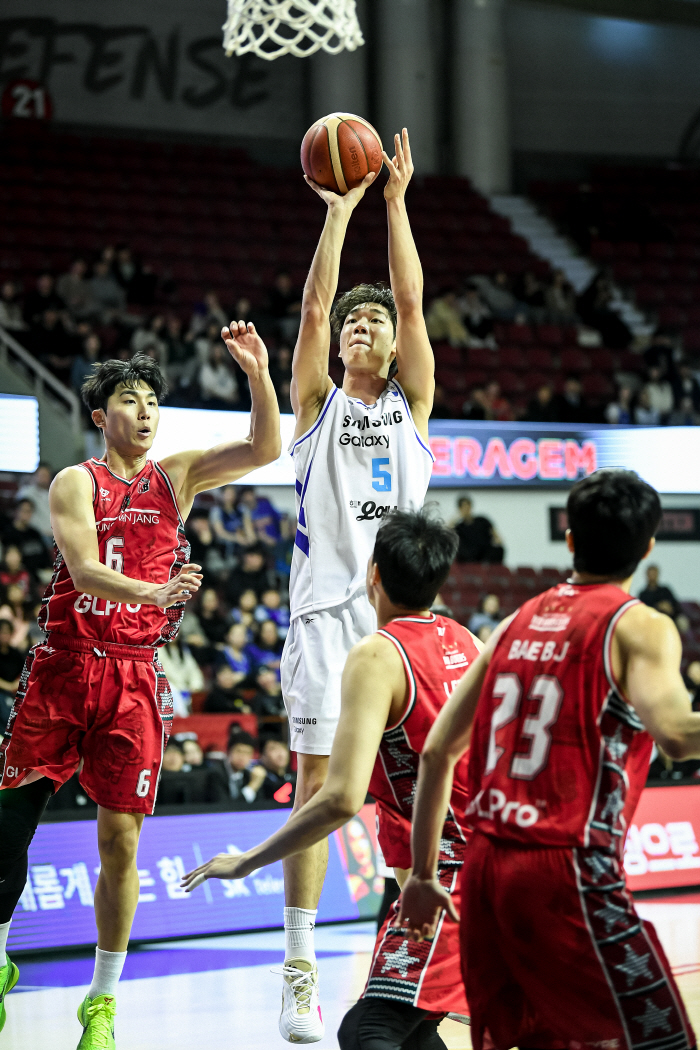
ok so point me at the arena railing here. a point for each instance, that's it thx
(41, 380)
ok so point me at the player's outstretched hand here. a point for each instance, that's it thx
(180, 589)
(348, 200)
(400, 168)
(223, 866)
(422, 900)
(246, 347)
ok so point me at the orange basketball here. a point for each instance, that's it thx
(339, 150)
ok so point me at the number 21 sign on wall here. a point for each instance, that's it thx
(26, 100)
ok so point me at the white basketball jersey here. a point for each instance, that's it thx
(354, 466)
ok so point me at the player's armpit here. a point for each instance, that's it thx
(646, 657)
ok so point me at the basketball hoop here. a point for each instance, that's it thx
(272, 28)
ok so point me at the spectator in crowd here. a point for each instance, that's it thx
(244, 612)
(266, 520)
(74, 290)
(542, 407)
(266, 650)
(686, 385)
(150, 339)
(84, 362)
(476, 405)
(183, 673)
(11, 664)
(274, 757)
(657, 595)
(108, 297)
(236, 652)
(643, 413)
(571, 406)
(620, 410)
(684, 414)
(13, 572)
(232, 522)
(213, 622)
(476, 316)
(441, 408)
(284, 305)
(179, 353)
(205, 549)
(478, 540)
(218, 386)
(497, 294)
(52, 344)
(661, 353)
(272, 608)
(488, 614)
(495, 404)
(11, 316)
(208, 312)
(181, 784)
(444, 322)
(251, 574)
(43, 298)
(268, 701)
(225, 695)
(243, 779)
(21, 533)
(281, 367)
(14, 609)
(660, 394)
(191, 751)
(531, 293)
(594, 309)
(560, 300)
(138, 281)
(37, 491)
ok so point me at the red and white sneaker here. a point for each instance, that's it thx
(300, 1019)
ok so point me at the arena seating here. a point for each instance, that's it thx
(210, 217)
(644, 223)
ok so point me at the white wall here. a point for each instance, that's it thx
(522, 519)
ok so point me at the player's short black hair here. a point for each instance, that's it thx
(413, 552)
(359, 296)
(612, 516)
(106, 377)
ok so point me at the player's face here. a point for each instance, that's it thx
(367, 341)
(131, 419)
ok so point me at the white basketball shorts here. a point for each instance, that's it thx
(313, 659)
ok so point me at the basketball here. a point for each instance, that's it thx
(339, 150)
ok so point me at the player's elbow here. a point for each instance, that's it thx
(267, 451)
(343, 805)
(676, 746)
(314, 314)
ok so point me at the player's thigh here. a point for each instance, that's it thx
(49, 717)
(123, 747)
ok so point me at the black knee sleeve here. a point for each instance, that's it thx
(20, 812)
(382, 1024)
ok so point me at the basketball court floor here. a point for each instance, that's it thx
(218, 991)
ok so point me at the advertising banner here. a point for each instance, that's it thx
(19, 433)
(57, 909)
(482, 455)
(662, 847)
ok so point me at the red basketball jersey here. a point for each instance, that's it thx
(436, 652)
(141, 534)
(557, 757)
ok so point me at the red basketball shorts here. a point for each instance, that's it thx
(107, 704)
(554, 954)
(424, 974)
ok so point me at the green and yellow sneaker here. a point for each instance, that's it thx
(97, 1018)
(9, 976)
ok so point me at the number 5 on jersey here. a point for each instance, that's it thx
(526, 764)
(383, 477)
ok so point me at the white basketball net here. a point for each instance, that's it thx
(272, 28)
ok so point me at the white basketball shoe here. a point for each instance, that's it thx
(300, 1019)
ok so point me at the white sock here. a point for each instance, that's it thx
(108, 970)
(299, 934)
(4, 931)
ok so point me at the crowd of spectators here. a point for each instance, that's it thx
(115, 306)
